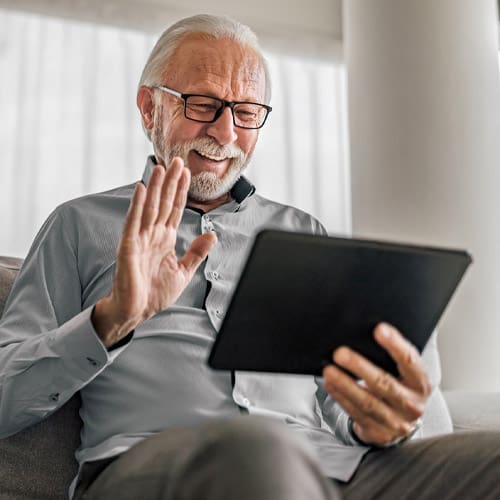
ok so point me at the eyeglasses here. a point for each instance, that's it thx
(207, 109)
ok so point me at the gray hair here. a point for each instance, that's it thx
(218, 27)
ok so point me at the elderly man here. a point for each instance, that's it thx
(123, 292)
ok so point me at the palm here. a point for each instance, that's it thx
(149, 276)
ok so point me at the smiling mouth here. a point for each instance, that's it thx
(210, 157)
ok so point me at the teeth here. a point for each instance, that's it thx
(210, 157)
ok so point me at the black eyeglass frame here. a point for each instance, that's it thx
(224, 104)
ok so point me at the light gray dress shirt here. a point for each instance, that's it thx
(159, 379)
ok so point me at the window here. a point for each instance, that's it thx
(67, 129)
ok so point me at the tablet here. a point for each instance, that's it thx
(301, 296)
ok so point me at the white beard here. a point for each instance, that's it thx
(205, 186)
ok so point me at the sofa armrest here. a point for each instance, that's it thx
(473, 411)
(39, 461)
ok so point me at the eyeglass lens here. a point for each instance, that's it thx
(204, 109)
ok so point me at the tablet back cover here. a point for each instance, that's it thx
(301, 296)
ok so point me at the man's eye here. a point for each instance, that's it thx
(244, 112)
(203, 107)
(246, 115)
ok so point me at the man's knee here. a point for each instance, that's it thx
(257, 435)
(250, 446)
(243, 458)
(255, 457)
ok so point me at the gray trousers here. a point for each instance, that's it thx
(255, 459)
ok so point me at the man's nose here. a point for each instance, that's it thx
(223, 129)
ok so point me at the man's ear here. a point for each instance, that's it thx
(146, 105)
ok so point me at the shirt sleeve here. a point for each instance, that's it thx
(334, 416)
(48, 347)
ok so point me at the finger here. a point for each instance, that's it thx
(381, 383)
(197, 252)
(407, 358)
(152, 203)
(363, 406)
(374, 433)
(169, 189)
(180, 199)
(134, 214)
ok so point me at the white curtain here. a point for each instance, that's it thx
(69, 125)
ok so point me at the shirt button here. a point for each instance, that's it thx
(215, 275)
(218, 313)
(246, 401)
(92, 361)
(54, 397)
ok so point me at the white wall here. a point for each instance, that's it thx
(424, 112)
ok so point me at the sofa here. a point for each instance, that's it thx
(38, 463)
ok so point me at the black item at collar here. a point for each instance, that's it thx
(242, 190)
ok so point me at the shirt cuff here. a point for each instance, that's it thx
(124, 341)
(343, 431)
(77, 343)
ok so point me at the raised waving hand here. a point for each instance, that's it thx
(149, 277)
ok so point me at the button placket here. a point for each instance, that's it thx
(206, 224)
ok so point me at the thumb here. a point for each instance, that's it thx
(197, 252)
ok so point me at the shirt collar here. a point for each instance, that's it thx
(242, 190)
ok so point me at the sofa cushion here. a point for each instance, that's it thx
(474, 411)
(9, 266)
(38, 463)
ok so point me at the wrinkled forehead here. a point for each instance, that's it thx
(232, 68)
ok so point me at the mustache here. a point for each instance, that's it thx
(208, 146)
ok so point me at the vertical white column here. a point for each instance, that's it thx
(424, 112)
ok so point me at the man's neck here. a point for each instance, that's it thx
(206, 206)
